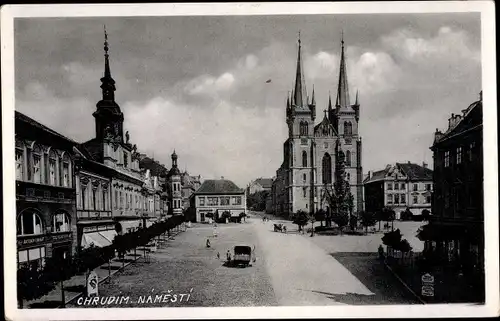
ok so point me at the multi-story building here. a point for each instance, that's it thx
(399, 186)
(45, 192)
(310, 152)
(260, 184)
(189, 185)
(217, 197)
(157, 180)
(456, 230)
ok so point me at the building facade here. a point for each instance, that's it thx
(174, 186)
(455, 232)
(189, 185)
(259, 185)
(308, 168)
(45, 193)
(217, 197)
(401, 187)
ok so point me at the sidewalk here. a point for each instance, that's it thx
(75, 287)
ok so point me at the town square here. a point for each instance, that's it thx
(249, 161)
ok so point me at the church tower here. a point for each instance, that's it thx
(301, 114)
(174, 178)
(345, 118)
(108, 116)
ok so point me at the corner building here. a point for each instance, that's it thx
(309, 152)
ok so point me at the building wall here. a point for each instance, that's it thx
(45, 201)
(205, 204)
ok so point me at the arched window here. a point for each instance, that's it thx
(60, 222)
(348, 158)
(327, 169)
(66, 171)
(347, 128)
(304, 158)
(29, 222)
(37, 164)
(19, 160)
(52, 167)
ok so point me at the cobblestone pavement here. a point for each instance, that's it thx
(291, 269)
(185, 264)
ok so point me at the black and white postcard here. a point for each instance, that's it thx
(250, 160)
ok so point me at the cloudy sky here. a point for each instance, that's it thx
(198, 84)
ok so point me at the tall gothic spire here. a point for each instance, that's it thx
(300, 98)
(313, 100)
(108, 83)
(356, 103)
(343, 88)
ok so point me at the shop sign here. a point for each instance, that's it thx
(428, 290)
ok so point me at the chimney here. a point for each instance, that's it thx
(424, 164)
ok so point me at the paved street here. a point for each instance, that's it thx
(291, 269)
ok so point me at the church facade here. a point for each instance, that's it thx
(309, 153)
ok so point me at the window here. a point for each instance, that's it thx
(19, 163)
(52, 171)
(37, 171)
(396, 198)
(347, 128)
(84, 191)
(396, 186)
(446, 159)
(94, 199)
(428, 199)
(116, 200)
(389, 186)
(389, 199)
(66, 174)
(305, 191)
(304, 177)
(224, 201)
(29, 223)
(61, 223)
(428, 187)
(348, 177)
(104, 199)
(125, 159)
(304, 128)
(304, 158)
(470, 151)
(459, 155)
(403, 198)
(121, 200)
(213, 201)
(34, 257)
(403, 186)
(415, 187)
(415, 199)
(202, 201)
(237, 200)
(348, 158)
(327, 169)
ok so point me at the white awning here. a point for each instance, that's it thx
(108, 235)
(126, 225)
(95, 238)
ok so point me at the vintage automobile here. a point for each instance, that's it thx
(243, 255)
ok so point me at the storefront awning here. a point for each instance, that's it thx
(99, 239)
(126, 225)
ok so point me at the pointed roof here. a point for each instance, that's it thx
(313, 100)
(356, 103)
(300, 98)
(343, 88)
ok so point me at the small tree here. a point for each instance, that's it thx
(367, 219)
(426, 214)
(341, 219)
(301, 219)
(353, 222)
(320, 215)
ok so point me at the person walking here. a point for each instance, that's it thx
(218, 256)
(208, 243)
(228, 256)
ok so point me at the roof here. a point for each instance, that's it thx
(413, 171)
(31, 122)
(264, 182)
(155, 168)
(219, 186)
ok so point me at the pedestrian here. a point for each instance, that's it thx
(218, 256)
(208, 243)
(228, 256)
(284, 229)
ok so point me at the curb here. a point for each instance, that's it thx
(404, 283)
